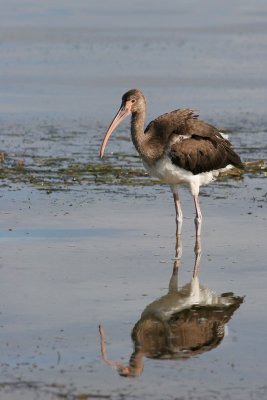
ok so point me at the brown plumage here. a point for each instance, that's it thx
(197, 146)
(177, 147)
(185, 322)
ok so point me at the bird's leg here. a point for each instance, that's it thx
(197, 251)
(178, 248)
(179, 214)
(198, 218)
(173, 285)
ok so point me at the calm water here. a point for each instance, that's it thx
(79, 249)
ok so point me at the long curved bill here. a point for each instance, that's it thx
(119, 117)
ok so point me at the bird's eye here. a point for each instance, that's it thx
(133, 101)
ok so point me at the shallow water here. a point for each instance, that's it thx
(87, 242)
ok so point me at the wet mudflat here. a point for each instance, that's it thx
(85, 242)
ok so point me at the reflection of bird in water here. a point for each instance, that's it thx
(183, 323)
(176, 148)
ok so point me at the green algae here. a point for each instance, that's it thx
(61, 173)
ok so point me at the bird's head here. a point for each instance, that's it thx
(133, 101)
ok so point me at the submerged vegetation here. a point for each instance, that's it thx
(53, 158)
(62, 173)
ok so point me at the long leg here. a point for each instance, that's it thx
(198, 218)
(173, 285)
(197, 251)
(179, 214)
(178, 248)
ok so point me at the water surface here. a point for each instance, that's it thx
(87, 242)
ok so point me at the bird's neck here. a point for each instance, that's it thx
(137, 131)
(143, 142)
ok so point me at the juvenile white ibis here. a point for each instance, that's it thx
(177, 147)
(185, 322)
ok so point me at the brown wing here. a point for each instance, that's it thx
(192, 144)
(203, 150)
(174, 122)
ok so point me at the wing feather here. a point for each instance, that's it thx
(202, 155)
(174, 122)
(191, 143)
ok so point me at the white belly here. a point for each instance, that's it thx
(169, 173)
(190, 294)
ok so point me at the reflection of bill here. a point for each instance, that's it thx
(183, 323)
